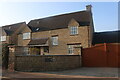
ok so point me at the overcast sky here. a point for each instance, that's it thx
(105, 14)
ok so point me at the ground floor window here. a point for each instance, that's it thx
(71, 48)
(26, 50)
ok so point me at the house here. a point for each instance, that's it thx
(62, 34)
(9, 33)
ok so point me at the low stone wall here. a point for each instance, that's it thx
(47, 62)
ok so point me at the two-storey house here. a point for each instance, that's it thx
(58, 35)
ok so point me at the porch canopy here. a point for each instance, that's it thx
(38, 42)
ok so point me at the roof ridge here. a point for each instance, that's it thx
(58, 15)
(13, 24)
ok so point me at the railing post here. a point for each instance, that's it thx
(105, 47)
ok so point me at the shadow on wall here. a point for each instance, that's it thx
(5, 55)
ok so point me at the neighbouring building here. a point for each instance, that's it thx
(9, 33)
(56, 35)
(104, 52)
(106, 37)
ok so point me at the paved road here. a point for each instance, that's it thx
(80, 74)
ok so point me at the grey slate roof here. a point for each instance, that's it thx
(59, 21)
(10, 29)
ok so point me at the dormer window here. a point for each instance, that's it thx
(37, 29)
(26, 35)
(3, 38)
(73, 30)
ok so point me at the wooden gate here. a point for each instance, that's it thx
(101, 55)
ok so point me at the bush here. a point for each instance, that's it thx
(34, 51)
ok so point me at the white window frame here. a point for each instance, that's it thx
(26, 35)
(3, 38)
(73, 30)
(71, 48)
(54, 40)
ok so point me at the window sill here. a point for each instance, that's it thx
(2, 41)
(70, 53)
(26, 39)
(54, 45)
(73, 34)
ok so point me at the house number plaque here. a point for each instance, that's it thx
(49, 59)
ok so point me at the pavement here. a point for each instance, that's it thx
(74, 74)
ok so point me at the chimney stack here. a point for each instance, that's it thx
(89, 7)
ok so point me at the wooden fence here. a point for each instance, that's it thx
(101, 55)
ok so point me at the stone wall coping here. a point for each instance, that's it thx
(45, 55)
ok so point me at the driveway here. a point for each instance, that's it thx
(75, 73)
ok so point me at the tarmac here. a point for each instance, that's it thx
(84, 73)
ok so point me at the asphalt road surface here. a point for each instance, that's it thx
(75, 74)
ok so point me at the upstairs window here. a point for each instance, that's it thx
(54, 40)
(3, 38)
(26, 35)
(74, 30)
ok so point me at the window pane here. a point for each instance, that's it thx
(3, 38)
(26, 35)
(55, 40)
(70, 49)
(26, 50)
(73, 30)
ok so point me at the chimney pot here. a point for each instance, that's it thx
(89, 7)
